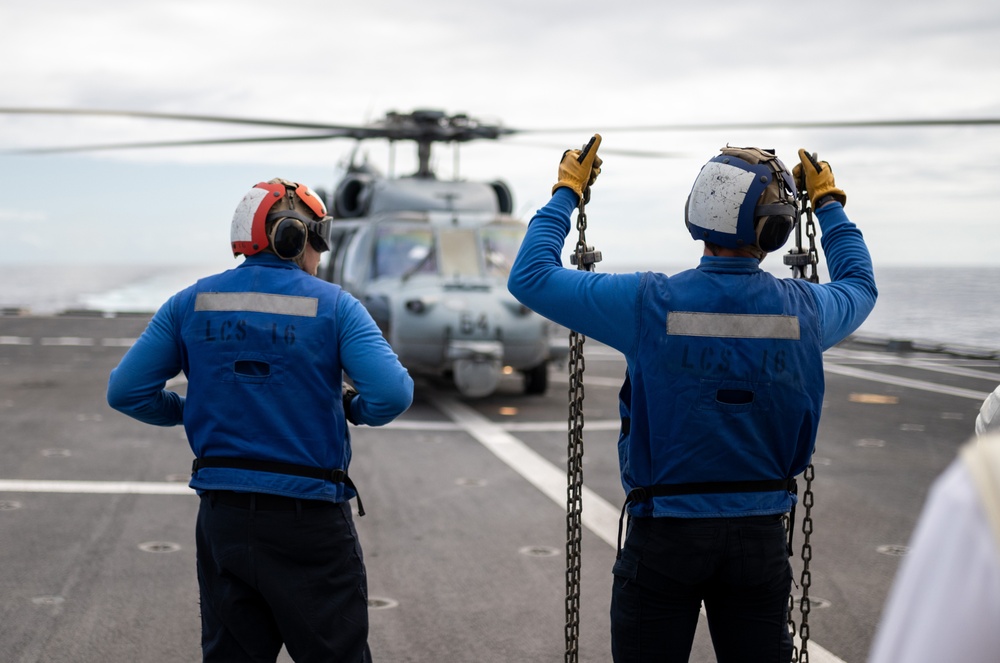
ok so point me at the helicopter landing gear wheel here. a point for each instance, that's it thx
(536, 380)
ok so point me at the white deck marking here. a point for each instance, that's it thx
(516, 426)
(118, 342)
(96, 487)
(68, 340)
(560, 426)
(596, 380)
(934, 365)
(598, 515)
(872, 376)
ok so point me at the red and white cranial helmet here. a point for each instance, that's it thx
(248, 233)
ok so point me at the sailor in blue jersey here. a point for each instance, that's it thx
(265, 347)
(721, 400)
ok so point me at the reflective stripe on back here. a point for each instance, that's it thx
(257, 302)
(732, 325)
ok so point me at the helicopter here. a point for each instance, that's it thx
(429, 257)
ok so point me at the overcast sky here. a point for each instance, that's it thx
(921, 196)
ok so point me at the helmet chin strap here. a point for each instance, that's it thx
(756, 252)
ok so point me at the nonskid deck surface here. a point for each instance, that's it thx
(465, 533)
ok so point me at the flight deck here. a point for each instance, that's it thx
(465, 532)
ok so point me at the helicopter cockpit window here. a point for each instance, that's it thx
(400, 251)
(332, 261)
(459, 256)
(500, 245)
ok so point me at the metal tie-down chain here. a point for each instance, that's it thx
(799, 259)
(806, 578)
(584, 258)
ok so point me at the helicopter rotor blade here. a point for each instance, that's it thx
(431, 126)
(819, 124)
(626, 152)
(177, 143)
(422, 126)
(382, 130)
(184, 117)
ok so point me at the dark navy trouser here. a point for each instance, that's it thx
(278, 571)
(738, 566)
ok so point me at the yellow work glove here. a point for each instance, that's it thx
(817, 178)
(577, 172)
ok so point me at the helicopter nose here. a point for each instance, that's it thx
(476, 366)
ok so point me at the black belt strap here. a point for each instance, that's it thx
(645, 493)
(336, 476)
(709, 487)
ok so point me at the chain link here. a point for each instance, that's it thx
(805, 606)
(791, 626)
(584, 258)
(574, 497)
(813, 254)
(799, 259)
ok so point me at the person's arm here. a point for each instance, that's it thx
(136, 386)
(849, 298)
(385, 388)
(846, 301)
(601, 306)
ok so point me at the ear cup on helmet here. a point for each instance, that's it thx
(773, 231)
(288, 238)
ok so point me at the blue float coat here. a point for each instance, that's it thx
(264, 347)
(725, 374)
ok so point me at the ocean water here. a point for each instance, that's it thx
(51, 289)
(951, 306)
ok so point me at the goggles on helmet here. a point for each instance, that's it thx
(319, 230)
